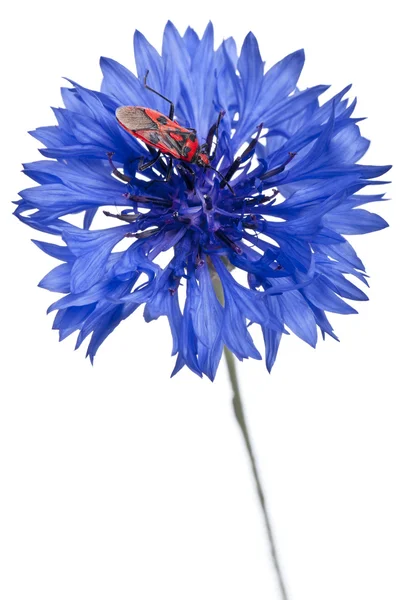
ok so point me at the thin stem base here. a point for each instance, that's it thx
(240, 417)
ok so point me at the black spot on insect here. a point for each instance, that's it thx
(192, 137)
(163, 120)
(185, 150)
(169, 142)
(154, 138)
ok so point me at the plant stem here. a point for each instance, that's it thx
(240, 417)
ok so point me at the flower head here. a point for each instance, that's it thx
(254, 177)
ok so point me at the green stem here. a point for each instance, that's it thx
(240, 417)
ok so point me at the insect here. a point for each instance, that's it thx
(178, 142)
(167, 136)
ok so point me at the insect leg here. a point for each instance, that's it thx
(169, 169)
(186, 171)
(187, 168)
(213, 133)
(172, 107)
(237, 162)
(115, 171)
(167, 176)
(143, 166)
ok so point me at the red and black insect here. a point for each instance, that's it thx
(177, 142)
(167, 136)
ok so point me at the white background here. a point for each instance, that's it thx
(119, 483)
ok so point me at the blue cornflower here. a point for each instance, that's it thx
(285, 193)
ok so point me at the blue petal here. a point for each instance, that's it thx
(52, 136)
(272, 339)
(281, 79)
(187, 354)
(293, 105)
(71, 319)
(319, 294)
(165, 302)
(92, 250)
(355, 221)
(203, 67)
(58, 280)
(207, 323)
(251, 69)
(241, 304)
(148, 59)
(191, 40)
(60, 252)
(121, 83)
(102, 329)
(298, 316)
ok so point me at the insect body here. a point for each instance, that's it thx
(165, 134)
(177, 142)
(159, 131)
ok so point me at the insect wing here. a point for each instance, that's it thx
(134, 118)
(161, 140)
(158, 131)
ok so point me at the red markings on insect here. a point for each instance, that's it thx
(161, 132)
(176, 142)
(168, 137)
